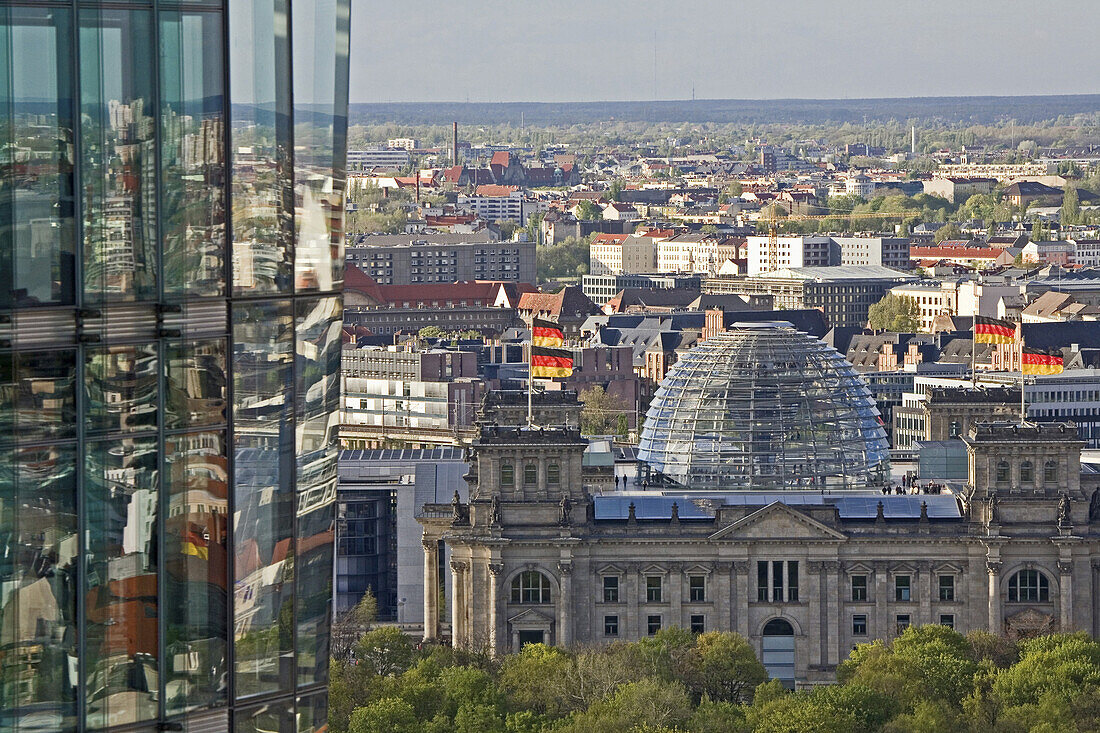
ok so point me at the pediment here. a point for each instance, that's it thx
(532, 617)
(777, 522)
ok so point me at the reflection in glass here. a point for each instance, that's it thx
(121, 383)
(38, 565)
(36, 157)
(121, 558)
(313, 713)
(320, 48)
(317, 445)
(192, 153)
(276, 717)
(118, 136)
(43, 399)
(263, 203)
(196, 384)
(263, 337)
(197, 481)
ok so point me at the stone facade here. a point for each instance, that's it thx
(539, 555)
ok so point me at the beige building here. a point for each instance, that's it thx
(538, 556)
(617, 254)
(698, 253)
(933, 298)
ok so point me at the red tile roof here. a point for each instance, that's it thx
(492, 189)
(603, 238)
(501, 158)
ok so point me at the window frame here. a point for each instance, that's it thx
(863, 586)
(697, 623)
(1041, 588)
(1027, 472)
(947, 591)
(654, 592)
(553, 474)
(612, 590)
(524, 593)
(697, 589)
(611, 625)
(902, 622)
(530, 474)
(653, 626)
(859, 619)
(508, 474)
(903, 592)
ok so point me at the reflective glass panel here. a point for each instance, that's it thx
(196, 384)
(262, 188)
(277, 717)
(121, 386)
(118, 133)
(317, 447)
(320, 48)
(192, 153)
(37, 252)
(263, 336)
(313, 713)
(120, 646)
(197, 482)
(38, 569)
(43, 395)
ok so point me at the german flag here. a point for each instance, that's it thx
(993, 331)
(546, 363)
(546, 333)
(1038, 361)
(194, 543)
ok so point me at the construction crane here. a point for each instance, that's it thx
(773, 222)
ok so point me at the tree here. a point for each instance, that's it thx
(388, 715)
(601, 411)
(589, 211)
(385, 651)
(728, 666)
(947, 232)
(898, 313)
(646, 702)
(1071, 205)
(735, 189)
(616, 190)
(348, 626)
(562, 260)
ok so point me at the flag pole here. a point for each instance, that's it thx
(1023, 404)
(974, 352)
(531, 375)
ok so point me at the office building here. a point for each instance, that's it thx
(170, 320)
(407, 259)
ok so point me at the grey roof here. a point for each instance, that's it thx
(843, 272)
(700, 506)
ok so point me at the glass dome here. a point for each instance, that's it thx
(765, 406)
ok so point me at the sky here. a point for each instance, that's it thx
(597, 50)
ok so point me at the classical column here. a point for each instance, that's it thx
(565, 609)
(926, 588)
(675, 595)
(458, 604)
(431, 589)
(817, 605)
(993, 567)
(496, 570)
(832, 608)
(1065, 585)
(741, 569)
(721, 592)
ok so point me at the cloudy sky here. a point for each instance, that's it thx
(589, 50)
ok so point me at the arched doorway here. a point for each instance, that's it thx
(777, 651)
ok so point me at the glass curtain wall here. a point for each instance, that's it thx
(171, 229)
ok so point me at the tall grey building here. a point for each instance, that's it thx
(171, 267)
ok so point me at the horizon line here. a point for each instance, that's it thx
(741, 99)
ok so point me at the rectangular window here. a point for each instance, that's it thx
(611, 589)
(610, 625)
(653, 588)
(762, 580)
(948, 620)
(777, 580)
(653, 624)
(697, 588)
(901, 588)
(859, 624)
(903, 622)
(792, 581)
(859, 587)
(947, 587)
(698, 624)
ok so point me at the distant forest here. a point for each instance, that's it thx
(948, 111)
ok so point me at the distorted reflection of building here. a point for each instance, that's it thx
(762, 504)
(169, 385)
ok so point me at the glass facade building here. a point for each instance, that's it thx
(171, 267)
(764, 407)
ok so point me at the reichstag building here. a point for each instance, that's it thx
(762, 505)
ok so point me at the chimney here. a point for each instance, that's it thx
(913, 148)
(454, 143)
